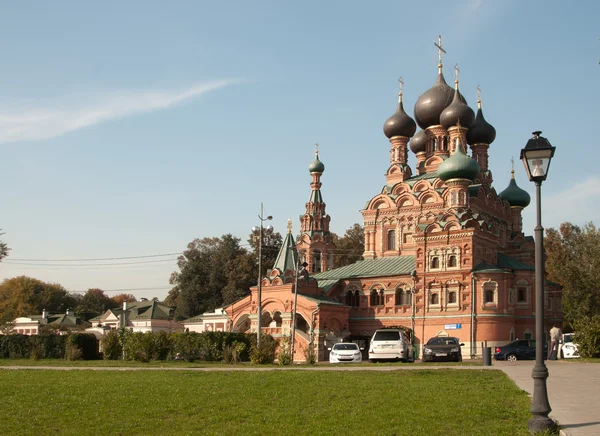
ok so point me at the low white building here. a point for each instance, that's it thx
(216, 321)
(59, 322)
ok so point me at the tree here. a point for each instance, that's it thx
(350, 247)
(94, 302)
(269, 251)
(21, 296)
(212, 272)
(573, 261)
(120, 298)
(3, 248)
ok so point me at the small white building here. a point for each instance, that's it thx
(139, 316)
(59, 322)
(216, 321)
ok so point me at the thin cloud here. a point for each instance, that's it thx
(35, 123)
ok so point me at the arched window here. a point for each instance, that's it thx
(452, 297)
(399, 297)
(391, 240)
(316, 261)
(452, 261)
(435, 299)
(356, 300)
(349, 298)
(381, 298)
(435, 262)
(488, 296)
(373, 300)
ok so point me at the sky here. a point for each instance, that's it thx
(127, 129)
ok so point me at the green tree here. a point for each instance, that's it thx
(350, 247)
(573, 260)
(3, 249)
(212, 272)
(21, 296)
(269, 251)
(95, 302)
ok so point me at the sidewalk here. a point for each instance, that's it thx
(573, 392)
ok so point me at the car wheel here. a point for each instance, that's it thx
(511, 357)
(373, 360)
(459, 359)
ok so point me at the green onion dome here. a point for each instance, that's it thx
(458, 166)
(418, 143)
(515, 196)
(399, 124)
(316, 166)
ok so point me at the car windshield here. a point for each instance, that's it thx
(568, 338)
(442, 341)
(339, 347)
(387, 336)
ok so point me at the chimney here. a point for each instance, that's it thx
(44, 314)
(124, 305)
(69, 312)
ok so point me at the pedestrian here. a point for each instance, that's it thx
(555, 334)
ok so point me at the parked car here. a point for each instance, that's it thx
(345, 352)
(521, 349)
(390, 344)
(442, 349)
(568, 348)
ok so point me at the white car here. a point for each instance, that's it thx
(345, 352)
(568, 349)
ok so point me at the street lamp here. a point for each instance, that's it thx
(536, 157)
(262, 231)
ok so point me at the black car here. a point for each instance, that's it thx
(521, 349)
(442, 349)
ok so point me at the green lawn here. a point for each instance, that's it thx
(419, 402)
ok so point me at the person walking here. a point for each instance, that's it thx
(555, 334)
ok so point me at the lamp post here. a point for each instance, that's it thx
(536, 157)
(299, 269)
(261, 232)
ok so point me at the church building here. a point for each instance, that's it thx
(445, 254)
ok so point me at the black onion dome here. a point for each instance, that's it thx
(481, 132)
(432, 103)
(458, 112)
(515, 196)
(399, 124)
(418, 143)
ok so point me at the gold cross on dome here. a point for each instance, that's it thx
(316, 147)
(478, 93)
(456, 71)
(512, 162)
(289, 225)
(439, 47)
(401, 82)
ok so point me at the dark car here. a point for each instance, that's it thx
(442, 349)
(521, 349)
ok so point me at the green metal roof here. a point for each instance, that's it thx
(505, 261)
(381, 267)
(321, 300)
(427, 176)
(316, 197)
(288, 256)
(485, 267)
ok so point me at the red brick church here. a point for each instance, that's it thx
(445, 254)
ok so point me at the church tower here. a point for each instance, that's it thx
(315, 244)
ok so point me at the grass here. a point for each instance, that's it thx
(421, 402)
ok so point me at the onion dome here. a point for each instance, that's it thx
(399, 124)
(432, 103)
(480, 132)
(458, 166)
(418, 143)
(316, 166)
(515, 196)
(458, 111)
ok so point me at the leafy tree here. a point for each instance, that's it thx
(212, 272)
(269, 251)
(94, 303)
(21, 296)
(573, 260)
(3, 249)
(350, 247)
(120, 298)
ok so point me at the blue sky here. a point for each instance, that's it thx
(131, 128)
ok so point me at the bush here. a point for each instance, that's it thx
(111, 346)
(310, 355)
(284, 354)
(163, 346)
(588, 336)
(264, 354)
(232, 353)
(139, 346)
(187, 345)
(81, 346)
